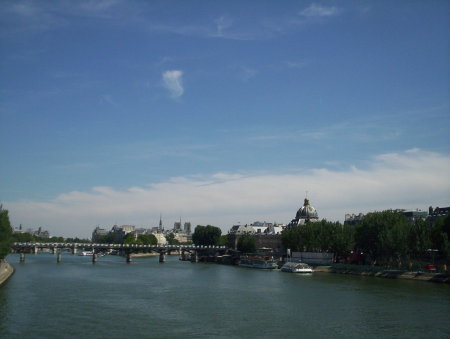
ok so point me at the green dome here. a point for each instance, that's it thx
(307, 211)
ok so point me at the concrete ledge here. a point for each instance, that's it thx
(6, 271)
(391, 274)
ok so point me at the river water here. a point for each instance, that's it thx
(175, 299)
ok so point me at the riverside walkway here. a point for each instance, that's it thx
(126, 249)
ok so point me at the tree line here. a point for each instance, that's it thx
(383, 237)
(5, 233)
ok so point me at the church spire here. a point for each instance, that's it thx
(160, 222)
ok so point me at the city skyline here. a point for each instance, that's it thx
(219, 113)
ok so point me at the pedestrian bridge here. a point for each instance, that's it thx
(125, 249)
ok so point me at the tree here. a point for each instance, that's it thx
(323, 236)
(206, 235)
(419, 239)
(246, 243)
(106, 239)
(223, 240)
(171, 239)
(23, 237)
(131, 238)
(147, 239)
(440, 236)
(383, 235)
(343, 240)
(5, 233)
(291, 239)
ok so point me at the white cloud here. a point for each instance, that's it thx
(411, 179)
(315, 10)
(222, 24)
(173, 82)
(98, 5)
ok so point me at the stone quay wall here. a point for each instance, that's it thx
(6, 270)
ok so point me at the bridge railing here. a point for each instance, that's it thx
(18, 245)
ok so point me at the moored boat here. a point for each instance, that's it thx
(296, 267)
(258, 262)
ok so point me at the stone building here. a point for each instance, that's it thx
(98, 233)
(305, 213)
(436, 213)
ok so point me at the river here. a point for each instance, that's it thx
(175, 299)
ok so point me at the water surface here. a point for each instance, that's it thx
(146, 299)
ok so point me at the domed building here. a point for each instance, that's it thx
(305, 213)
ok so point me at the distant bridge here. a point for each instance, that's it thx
(126, 249)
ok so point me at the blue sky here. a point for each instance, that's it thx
(122, 110)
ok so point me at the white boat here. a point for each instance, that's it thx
(258, 262)
(84, 253)
(296, 267)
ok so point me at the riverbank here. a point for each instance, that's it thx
(150, 254)
(6, 271)
(391, 274)
(144, 255)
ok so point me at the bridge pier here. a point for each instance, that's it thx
(54, 250)
(58, 257)
(128, 257)
(22, 257)
(183, 256)
(94, 257)
(35, 250)
(74, 250)
(162, 257)
(194, 256)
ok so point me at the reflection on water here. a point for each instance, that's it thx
(112, 299)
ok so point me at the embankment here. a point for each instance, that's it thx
(6, 270)
(391, 274)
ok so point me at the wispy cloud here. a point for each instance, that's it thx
(173, 82)
(21, 16)
(222, 24)
(319, 11)
(99, 5)
(247, 73)
(108, 99)
(410, 179)
(296, 64)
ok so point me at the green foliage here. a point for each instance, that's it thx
(419, 239)
(171, 239)
(292, 238)
(23, 237)
(5, 233)
(106, 239)
(206, 235)
(76, 240)
(148, 239)
(246, 243)
(130, 239)
(223, 240)
(323, 236)
(343, 239)
(142, 239)
(440, 236)
(383, 235)
(26, 237)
